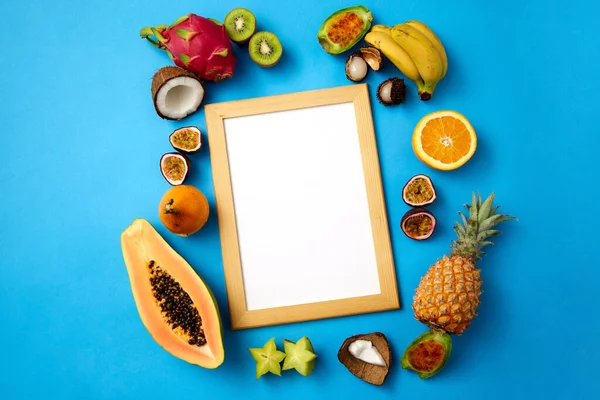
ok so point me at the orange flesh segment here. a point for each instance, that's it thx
(446, 139)
(344, 29)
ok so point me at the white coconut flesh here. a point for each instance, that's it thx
(357, 69)
(179, 97)
(365, 351)
(386, 92)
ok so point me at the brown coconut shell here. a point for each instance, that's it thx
(164, 75)
(373, 374)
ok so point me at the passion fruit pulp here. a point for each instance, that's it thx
(186, 140)
(418, 223)
(419, 191)
(174, 168)
(428, 353)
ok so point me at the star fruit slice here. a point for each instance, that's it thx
(299, 355)
(268, 359)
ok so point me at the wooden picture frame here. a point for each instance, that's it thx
(241, 317)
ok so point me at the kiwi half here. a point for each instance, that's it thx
(240, 25)
(265, 49)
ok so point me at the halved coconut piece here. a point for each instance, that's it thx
(176, 93)
(418, 224)
(419, 191)
(371, 372)
(174, 168)
(187, 139)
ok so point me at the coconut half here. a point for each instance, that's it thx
(369, 371)
(176, 93)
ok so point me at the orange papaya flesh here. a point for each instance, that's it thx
(175, 305)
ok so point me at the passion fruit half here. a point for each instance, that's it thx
(174, 168)
(186, 140)
(428, 353)
(418, 224)
(419, 191)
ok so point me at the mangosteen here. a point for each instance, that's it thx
(418, 224)
(419, 191)
(174, 168)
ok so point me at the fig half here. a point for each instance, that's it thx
(418, 224)
(186, 140)
(419, 191)
(428, 353)
(174, 168)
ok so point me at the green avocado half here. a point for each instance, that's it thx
(428, 353)
(344, 28)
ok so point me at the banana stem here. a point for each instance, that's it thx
(426, 91)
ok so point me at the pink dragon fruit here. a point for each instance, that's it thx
(197, 44)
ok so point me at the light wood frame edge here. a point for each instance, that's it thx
(241, 318)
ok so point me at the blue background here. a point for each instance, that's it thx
(80, 149)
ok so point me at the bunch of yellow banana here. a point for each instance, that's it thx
(415, 50)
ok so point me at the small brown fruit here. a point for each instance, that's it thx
(391, 92)
(183, 210)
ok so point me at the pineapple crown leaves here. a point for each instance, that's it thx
(474, 232)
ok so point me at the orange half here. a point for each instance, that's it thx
(444, 140)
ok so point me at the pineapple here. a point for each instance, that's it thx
(448, 294)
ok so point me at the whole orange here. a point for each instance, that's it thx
(183, 210)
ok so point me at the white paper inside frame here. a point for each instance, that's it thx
(301, 207)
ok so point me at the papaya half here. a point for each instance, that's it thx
(175, 305)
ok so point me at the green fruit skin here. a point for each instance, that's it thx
(275, 41)
(308, 367)
(440, 337)
(333, 48)
(251, 32)
(268, 359)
